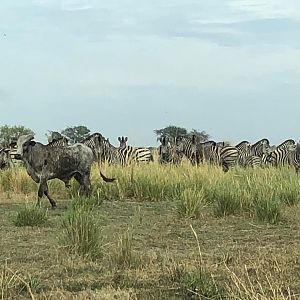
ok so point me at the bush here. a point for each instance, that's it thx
(267, 208)
(81, 232)
(31, 215)
(190, 202)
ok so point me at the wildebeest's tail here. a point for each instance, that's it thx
(106, 179)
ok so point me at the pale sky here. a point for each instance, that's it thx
(127, 67)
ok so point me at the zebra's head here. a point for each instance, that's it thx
(123, 141)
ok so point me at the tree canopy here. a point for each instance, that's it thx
(174, 131)
(76, 134)
(10, 133)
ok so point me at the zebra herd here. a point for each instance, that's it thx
(172, 150)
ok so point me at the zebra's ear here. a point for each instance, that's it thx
(126, 139)
(119, 139)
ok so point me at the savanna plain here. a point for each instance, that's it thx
(158, 232)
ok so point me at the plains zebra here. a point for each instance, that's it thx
(281, 155)
(186, 145)
(167, 151)
(93, 141)
(260, 148)
(244, 152)
(198, 152)
(124, 156)
(294, 157)
(142, 154)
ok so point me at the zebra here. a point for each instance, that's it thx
(125, 155)
(93, 141)
(167, 151)
(259, 153)
(294, 157)
(187, 146)
(142, 154)
(197, 152)
(260, 148)
(281, 155)
(244, 152)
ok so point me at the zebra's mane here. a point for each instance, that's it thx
(260, 141)
(243, 142)
(58, 139)
(288, 141)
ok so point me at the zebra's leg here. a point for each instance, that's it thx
(225, 167)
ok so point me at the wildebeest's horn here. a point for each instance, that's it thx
(106, 179)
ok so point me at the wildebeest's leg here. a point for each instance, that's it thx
(51, 200)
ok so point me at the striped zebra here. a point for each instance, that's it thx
(198, 152)
(259, 153)
(260, 148)
(244, 149)
(125, 155)
(294, 157)
(141, 154)
(93, 141)
(167, 151)
(281, 155)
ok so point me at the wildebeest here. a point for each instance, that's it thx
(46, 162)
(5, 159)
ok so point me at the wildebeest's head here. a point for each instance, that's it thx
(24, 141)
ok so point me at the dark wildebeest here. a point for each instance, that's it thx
(45, 162)
(5, 159)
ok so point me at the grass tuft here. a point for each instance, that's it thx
(81, 232)
(31, 215)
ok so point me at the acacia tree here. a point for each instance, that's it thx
(12, 133)
(170, 131)
(76, 134)
(174, 131)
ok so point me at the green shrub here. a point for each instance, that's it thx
(190, 202)
(122, 255)
(31, 215)
(200, 284)
(267, 208)
(81, 232)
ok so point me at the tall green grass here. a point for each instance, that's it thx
(259, 193)
(81, 233)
